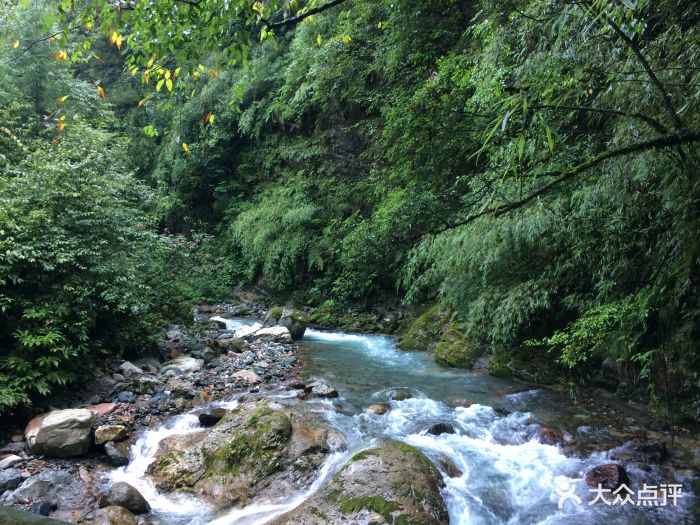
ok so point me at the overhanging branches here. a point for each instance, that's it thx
(560, 176)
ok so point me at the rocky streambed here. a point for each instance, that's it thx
(231, 430)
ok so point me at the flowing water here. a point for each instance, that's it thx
(499, 473)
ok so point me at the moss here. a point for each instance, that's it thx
(425, 331)
(373, 503)
(455, 349)
(364, 454)
(276, 313)
(256, 447)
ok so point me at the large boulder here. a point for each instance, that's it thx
(394, 481)
(61, 433)
(455, 349)
(273, 334)
(106, 433)
(258, 449)
(125, 495)
(295, 321)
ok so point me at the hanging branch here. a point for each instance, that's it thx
(298, 18)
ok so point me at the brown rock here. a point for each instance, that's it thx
(102, 409)
(609, 476)
(547, 436)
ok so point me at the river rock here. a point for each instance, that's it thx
(9, 461)
(112, 515)
(448, 466)
(547, 436)
(377, 409)
(247, 375)
(211, 416)
(219, 322)
(10, 516)
(400, 394)
(183, 365)
(61, 433)
(641, 451)
(129, 369)
(106, 433)
(394, 481)
(44, 485)
(441, 428)
(321, 389)
(609, 476)
(127, 496)
(273, 334)
(255, 450)
(118, 453)
(294, 321)
(10, 479)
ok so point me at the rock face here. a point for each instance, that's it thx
(124, 495)
(609, 476)
(456, 350)
(62, 433)
(395, 481)
(294, 321)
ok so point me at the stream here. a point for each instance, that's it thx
(504, 475)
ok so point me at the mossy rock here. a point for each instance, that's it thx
(276, 313)
(395, 481)
(455, 349)
(426, 330)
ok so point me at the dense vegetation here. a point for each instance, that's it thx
(531, 165)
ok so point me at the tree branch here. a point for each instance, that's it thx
(298, 18)
(651, 121)
(665, 99)
(677, 139)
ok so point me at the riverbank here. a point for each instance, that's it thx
(370, 393)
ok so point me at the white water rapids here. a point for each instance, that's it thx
(499, 473)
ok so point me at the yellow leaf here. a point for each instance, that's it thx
(346, 40)
(318, 40)
(167, 73)
(15, 45)
(153, 59)
(119, 41)
(201, 68)
(176, 73)
(61, 55)
(169, 84)
(98, 58)
(590, 91)
(212, 73)
(61, 100)
(185, 148)
(101, 92)
(142, 102)
(113, 37)
(88, 25)
(209, 118)
(160, 83)
(134, 70)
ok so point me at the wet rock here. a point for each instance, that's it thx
(127, 496)
(117, 453)
(641, 451)
(547, 436)
(43, 508)
(183, 365)
(447, 465)
(395, 481)
(126, 397)
(112, 515)
(295, 321)
(377, 409)
(609, 476)
(10, 516)
(106, 433)
(219, 322)
(9, 461)
(211, 416)
(321, 389)
(61, 433)
(400, 394)
(10, 479)
(229, 463)
(296, 385)
(128, 369)
(200, 398)
(441, 428)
